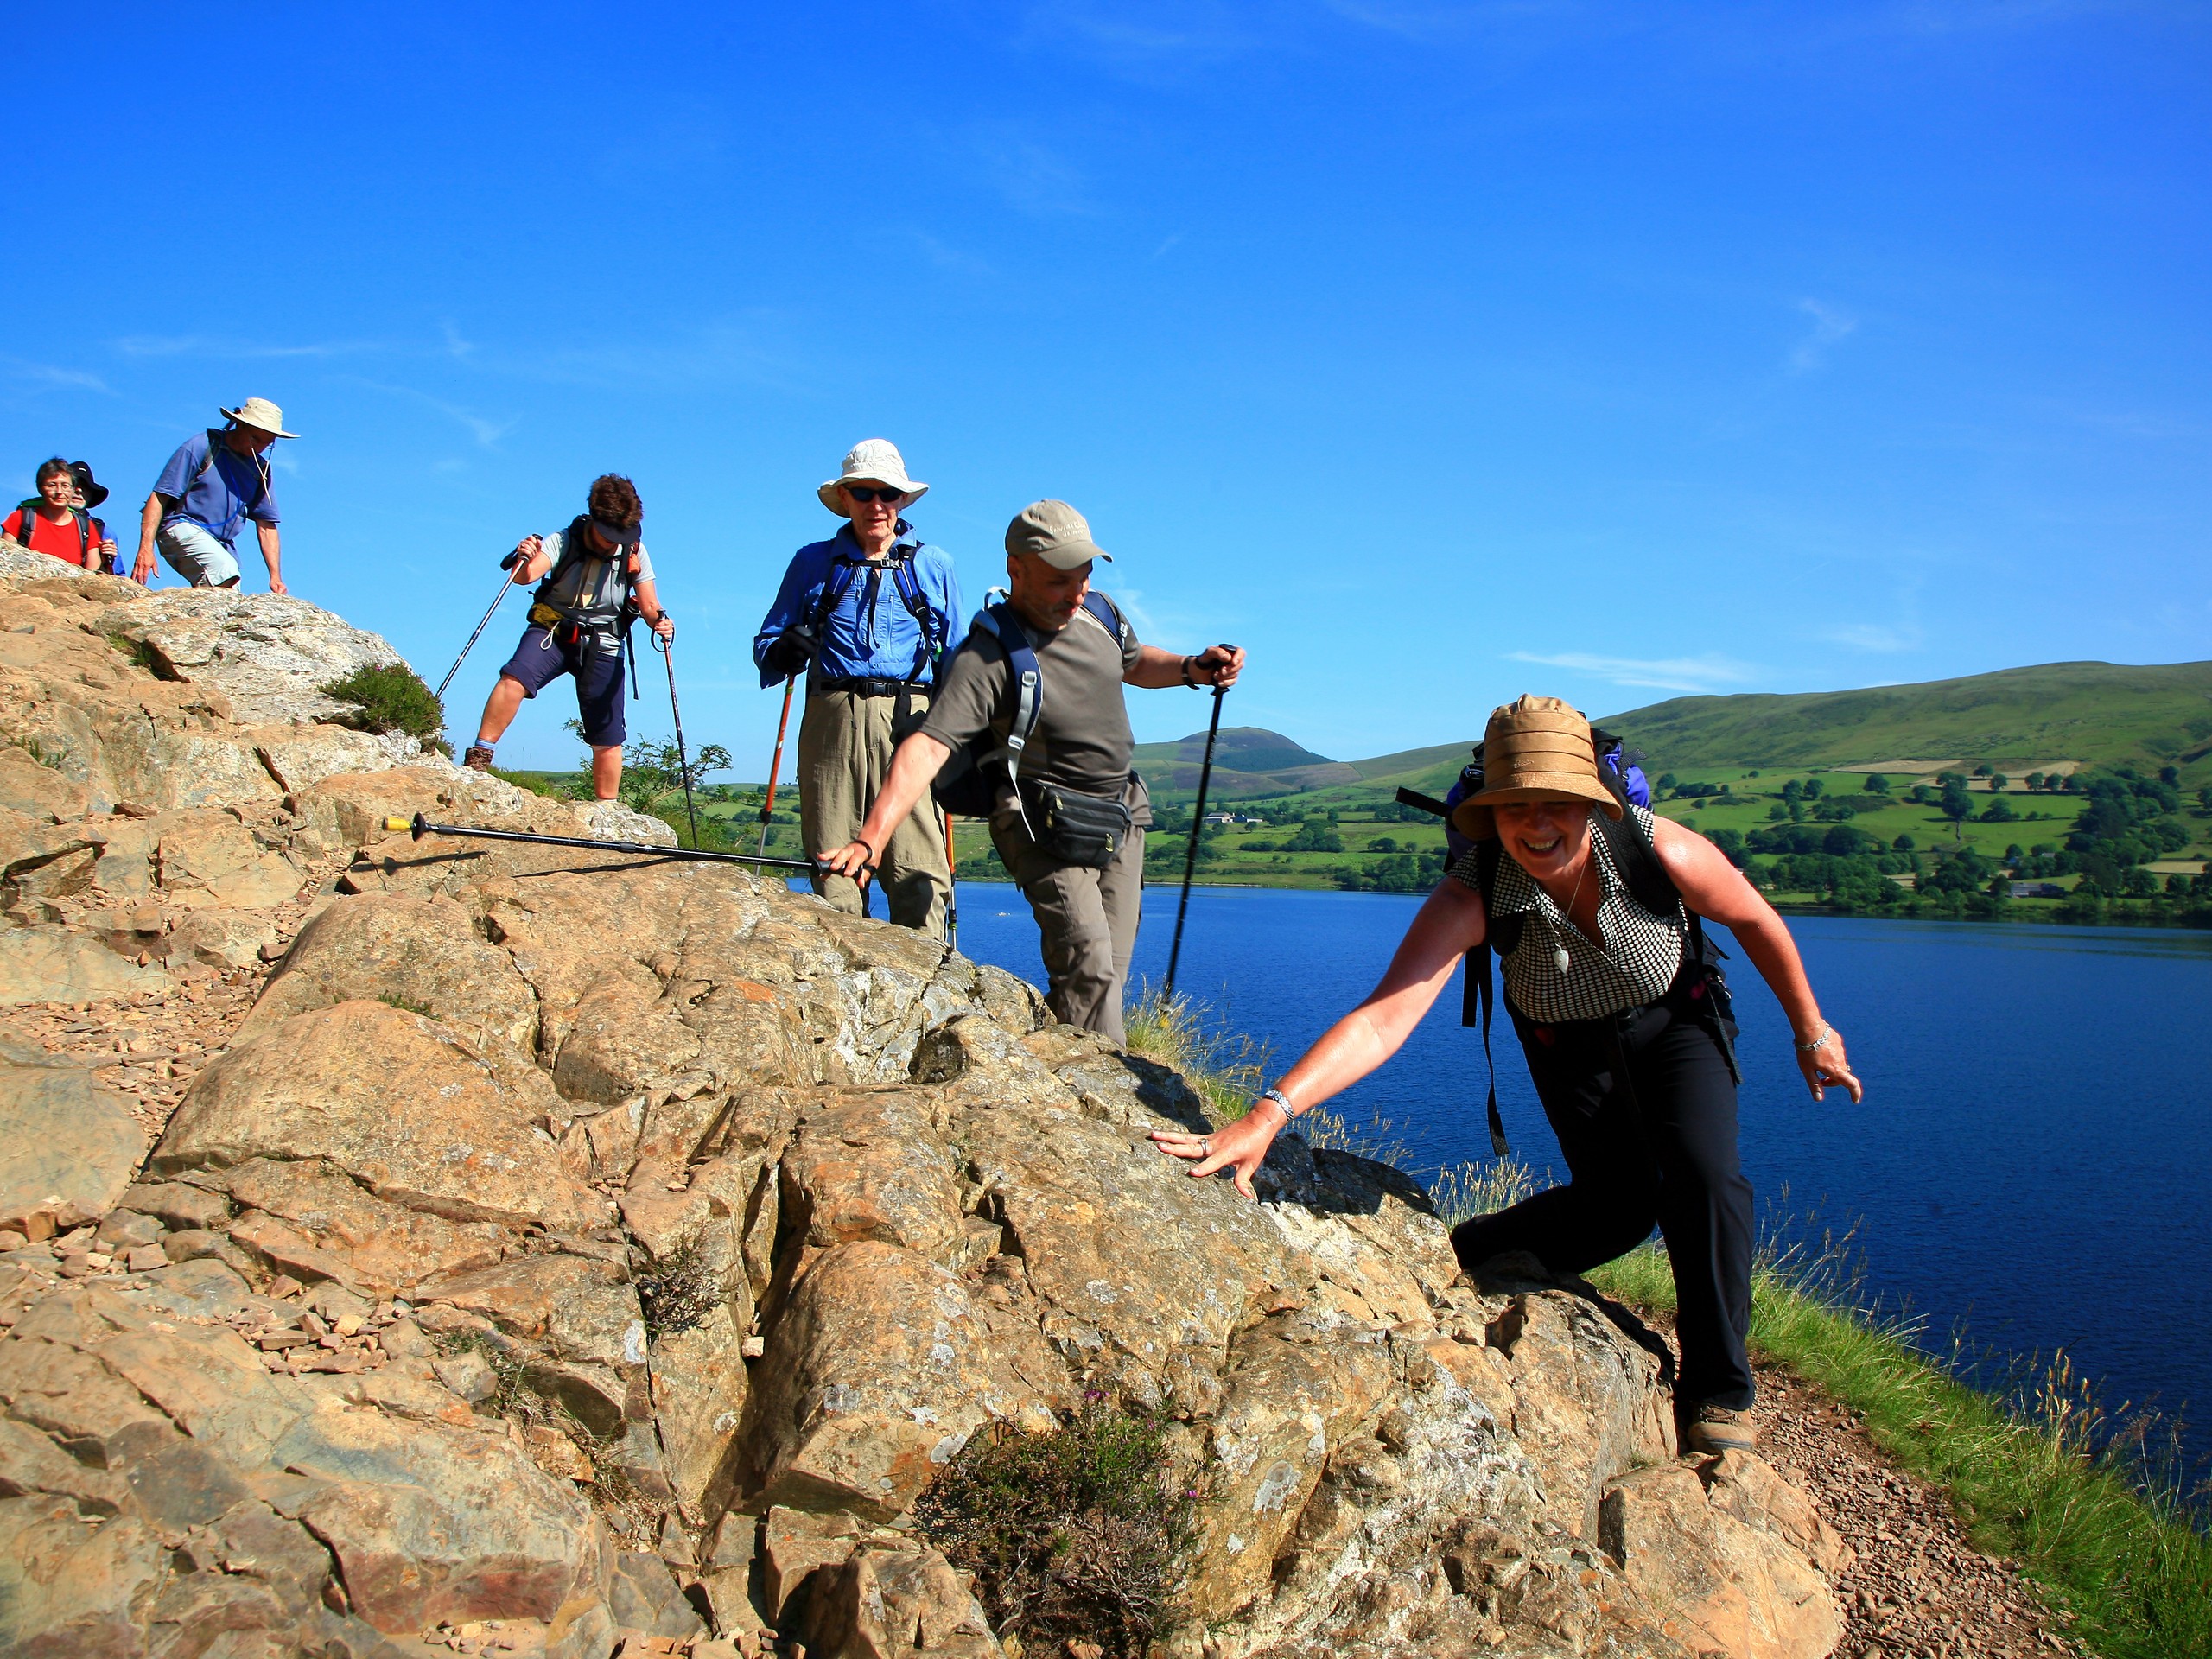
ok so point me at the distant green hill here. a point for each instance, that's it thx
(2097, 714)
(1246, 761)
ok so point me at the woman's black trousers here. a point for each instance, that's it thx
(1644, 1108)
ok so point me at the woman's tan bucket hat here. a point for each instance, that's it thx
(872, 458)
(1533, 749)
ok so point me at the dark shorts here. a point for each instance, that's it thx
(596, 661)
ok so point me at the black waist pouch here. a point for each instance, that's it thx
(1081, 829)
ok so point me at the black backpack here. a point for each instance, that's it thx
(1648, 882)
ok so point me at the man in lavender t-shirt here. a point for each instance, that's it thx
(215, 481)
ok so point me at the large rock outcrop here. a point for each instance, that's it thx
(172, 770)
(601, 1245)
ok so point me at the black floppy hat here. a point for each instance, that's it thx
(93, 493)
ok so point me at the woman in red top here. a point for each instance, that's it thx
(51, 524)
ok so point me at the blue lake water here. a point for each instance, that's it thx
(2033, 1160)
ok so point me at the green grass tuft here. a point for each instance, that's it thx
(1080, 1532)
(1179, 1032)
(391, 697)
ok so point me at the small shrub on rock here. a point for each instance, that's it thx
(1078, 1533)
(678, 1291)
(391, 697)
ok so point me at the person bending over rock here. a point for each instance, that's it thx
(590, 576)
(1067, 813)
(214, 483)
(1595, 909)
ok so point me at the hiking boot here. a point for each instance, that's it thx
(478, 758)
(1714, 1429)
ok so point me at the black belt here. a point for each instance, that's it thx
(869, 688)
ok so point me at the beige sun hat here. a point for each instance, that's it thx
(872, 458)
(1056, 533)
(1533, 749)
(260, 413)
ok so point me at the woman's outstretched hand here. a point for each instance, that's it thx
(1828, 1064)
(1240, 1146)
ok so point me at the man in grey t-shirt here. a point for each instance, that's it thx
(1082, 744)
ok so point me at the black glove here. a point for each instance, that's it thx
(793, 651)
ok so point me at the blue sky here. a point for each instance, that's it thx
(1434, 353)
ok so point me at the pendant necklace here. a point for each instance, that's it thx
(1560, 960)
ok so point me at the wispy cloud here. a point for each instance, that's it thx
(53, 376)
(1031, 177)
(486, 432)
(1426, 20)
(946, 258)
(208, 346)
(1706, 673)
(1830, 325)
(1876, 636)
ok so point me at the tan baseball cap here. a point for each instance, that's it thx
(1056, 533)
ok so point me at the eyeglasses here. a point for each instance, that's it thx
(880, 493)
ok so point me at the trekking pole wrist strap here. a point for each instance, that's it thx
(1189, 663)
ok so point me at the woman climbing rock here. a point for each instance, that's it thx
(1595, 909)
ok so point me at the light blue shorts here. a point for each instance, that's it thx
(194, 553)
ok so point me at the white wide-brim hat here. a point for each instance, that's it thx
(260, 413)
(873, 458)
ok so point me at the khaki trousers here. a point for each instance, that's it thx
(1089, 920)
(844, 754)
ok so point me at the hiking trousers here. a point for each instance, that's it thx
(1644, 1108)
(1089, 922)
(845, 742)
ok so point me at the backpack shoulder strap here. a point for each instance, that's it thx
(843, 572)
(1478, 997)
(1108, 615)
(1025, 684)
(933, 625)
(1634, 856)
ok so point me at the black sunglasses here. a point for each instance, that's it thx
(882, 492)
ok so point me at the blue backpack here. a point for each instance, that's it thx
(900, 563)
(967, 785)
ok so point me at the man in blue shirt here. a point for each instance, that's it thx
(865, 616)
(215, 481)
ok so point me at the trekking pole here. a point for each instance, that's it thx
(419, 826)
(1190, 858)
(951, 890)
(667, 649)
(505, 582)
(768, 801)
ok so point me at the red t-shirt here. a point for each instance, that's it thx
(59, 540)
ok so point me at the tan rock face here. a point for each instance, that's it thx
(395, 1101)
(564, 1230)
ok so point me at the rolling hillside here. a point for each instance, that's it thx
(2097, 714)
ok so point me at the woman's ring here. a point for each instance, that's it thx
(1205, 1146)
